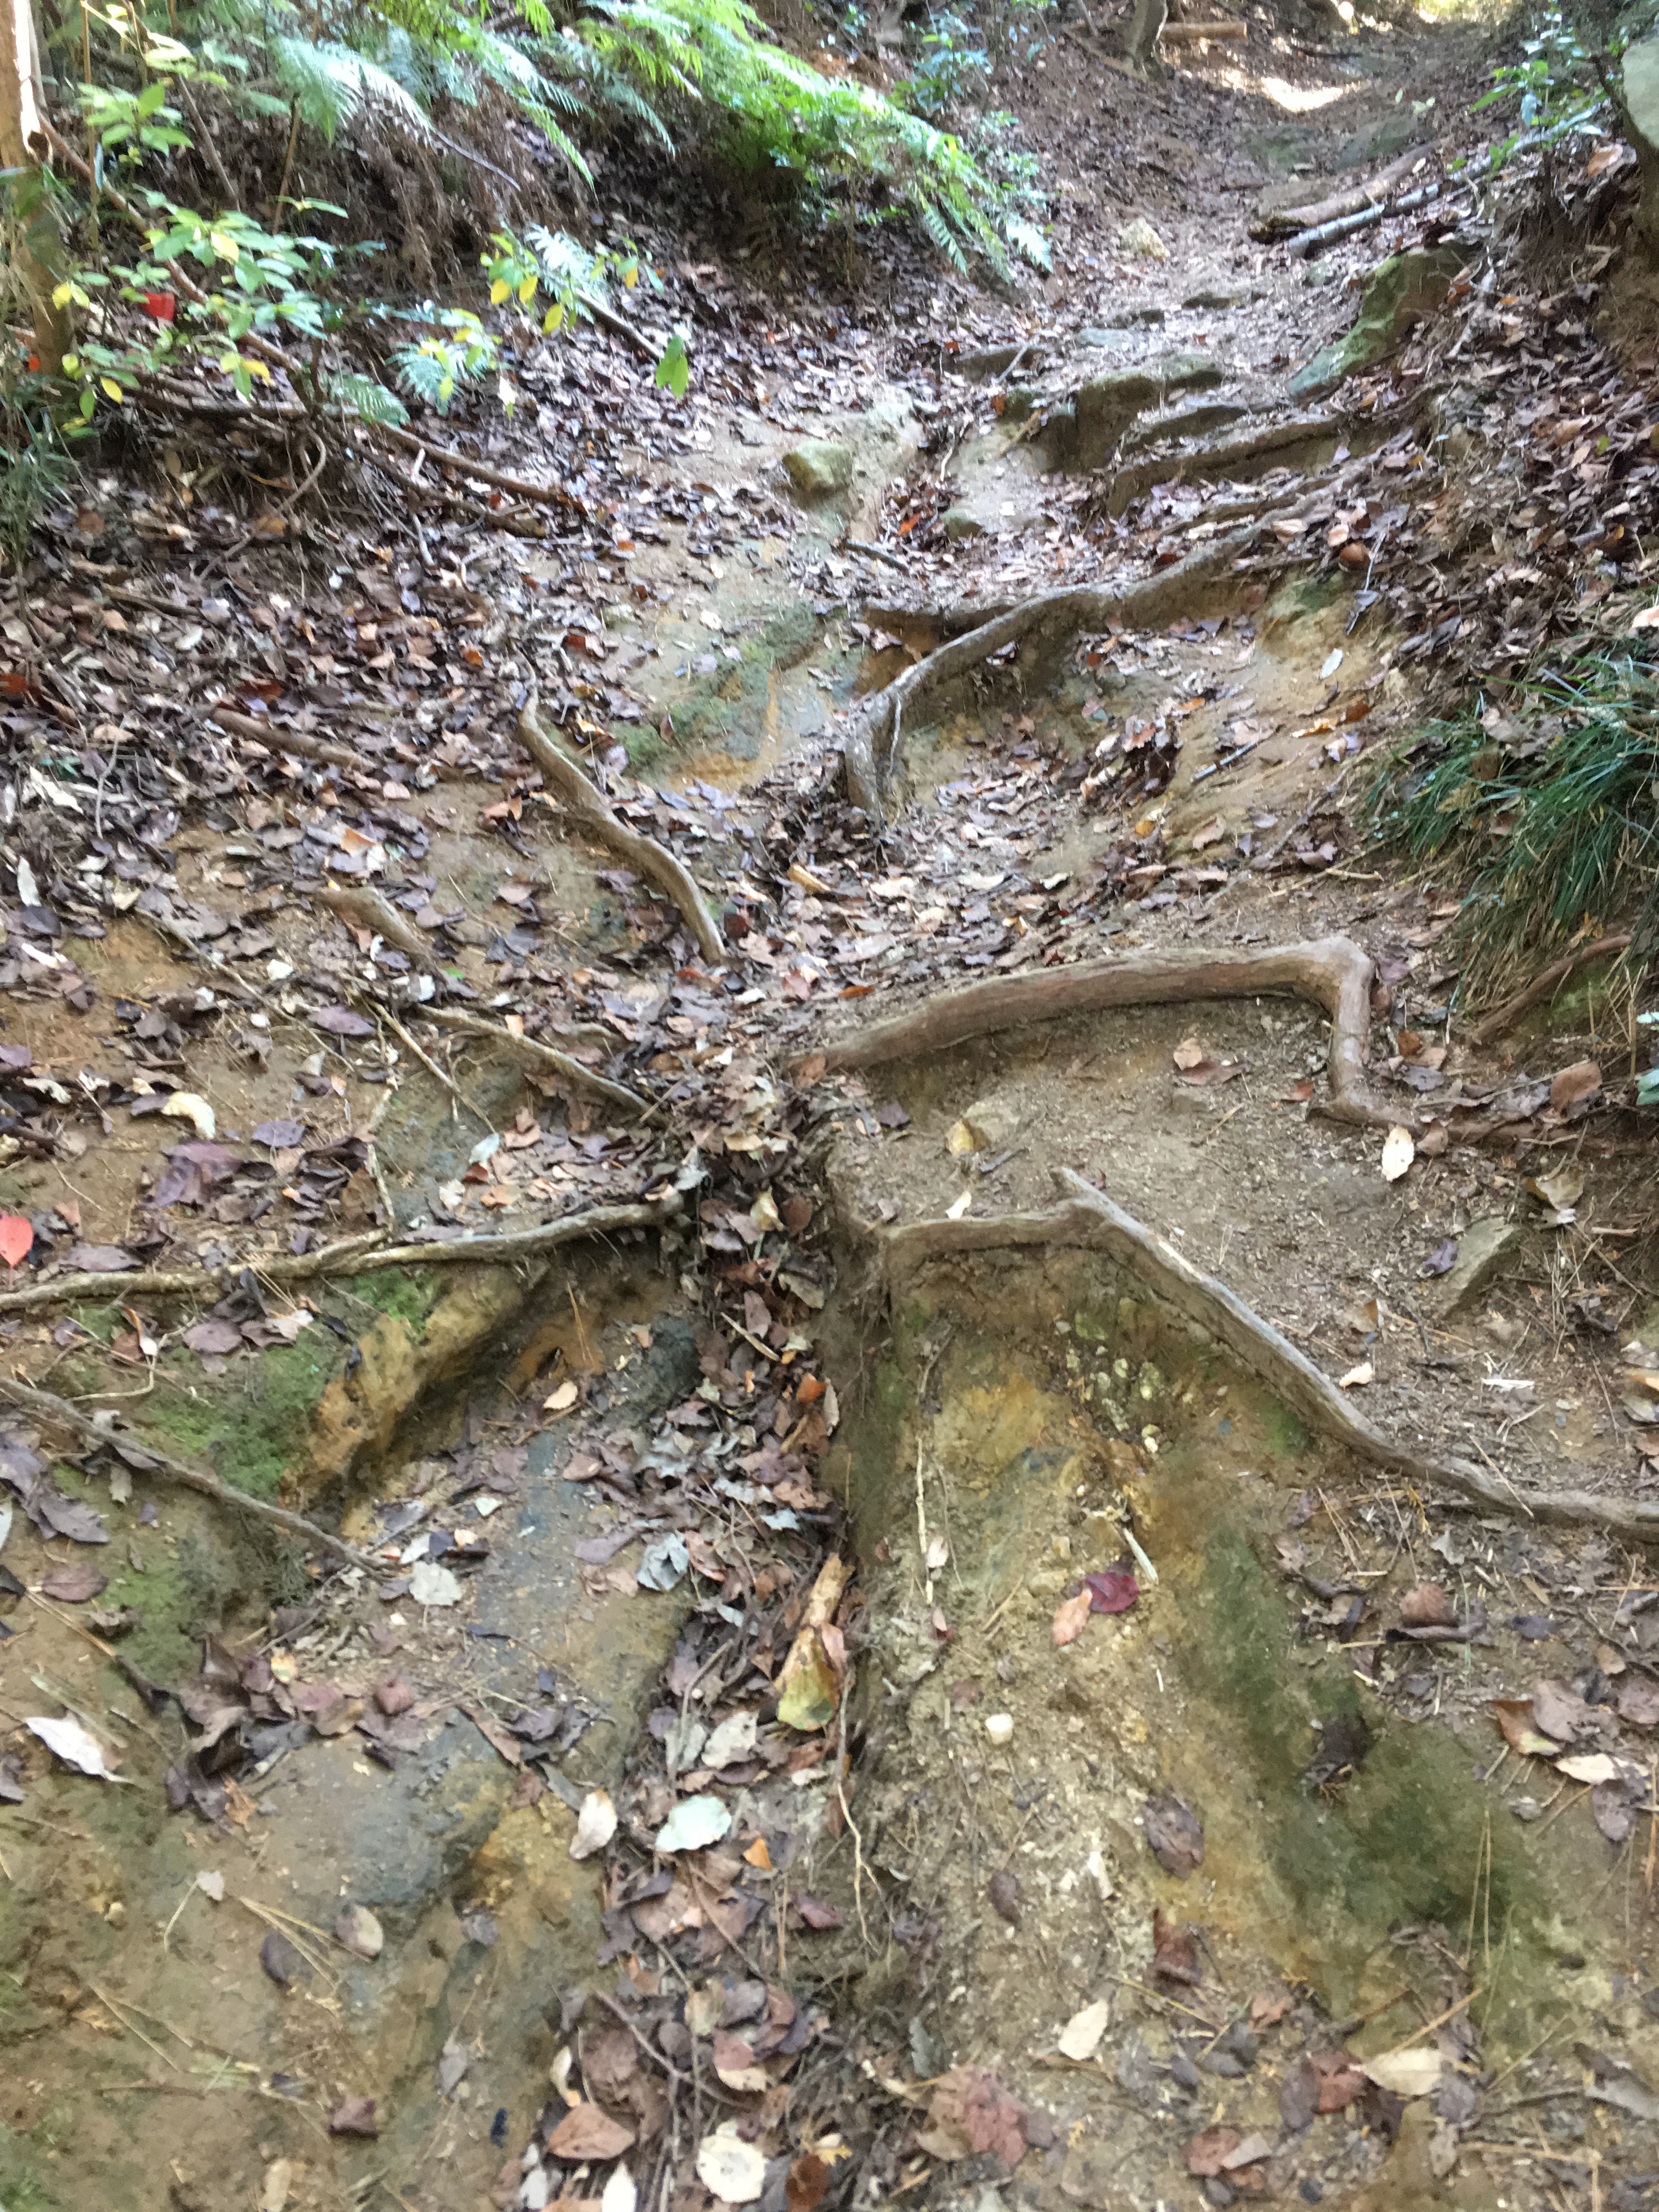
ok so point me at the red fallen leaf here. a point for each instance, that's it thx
(16, 1239)
(1114, 1591)
(1339, 2080)
(1207, 2152)
(159, 305)
(1268, 2007)
(1069, 1618)
(1574, 1087)
(1298, 1094)
(816, 1913)
(1175, 1950)
(354, 2116)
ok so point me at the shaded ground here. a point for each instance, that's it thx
(598, 1492)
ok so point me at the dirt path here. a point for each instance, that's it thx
(890, 1887)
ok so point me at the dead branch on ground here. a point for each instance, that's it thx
(1090, 1220)
(1544, 985)
(545, 1059)
(1285, 222)
(644, 855)
(46, 1406)
(351, 1256)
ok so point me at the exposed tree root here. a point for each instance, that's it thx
(1332, 971)
(375, 913)
(644, 855)
(1090, 1219)
(1544, 985)
(870, 746)
(1285, 222)
(46, 1406)
(545, 1059)
(1254, 452)
(351, 1256)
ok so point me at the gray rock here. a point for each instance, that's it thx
(1082, 434)
(818, 469)
(957, 523)
(1398, 293)
(986, 361)
(1641, 90)
(1105, 341)
(1485, 1250)
(990, 1125)
(1215, 302)
(1184, 422)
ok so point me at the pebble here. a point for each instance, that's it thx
(999, 1726)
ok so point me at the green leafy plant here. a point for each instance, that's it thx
(1557, 87)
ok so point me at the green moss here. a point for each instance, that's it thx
(407, 1293)
(21, 2189)
(728, 708)
(249, 1423)
(1286, 1436)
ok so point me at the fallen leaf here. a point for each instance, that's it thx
(734, 2061)
(1414, 2073)
(1173, 1834)
(431, 1584)
(1589, 1766)
(1514, 1717)
(694, 1823)
(1003, 1890)
(1357, 1377)
(815, 1912)
(74, 1585)
(1638, 1704)
(358, 1930)
(809, 2177)
(354, 2116)
(1268, 2007)
(1399, 1150)
(586, 2135)
(1188, 1053)
(1080, 2037)
(275, 2184)
(1573, 1090)
(1559, 1193)
(68, 1740)
(1069, 1618)
(281, 1961)
(1112, 1590)
(1560, 1713)
(596, 1823)
(1207, 2152)
(1426, 1605)
(340, 1021)
(1441, 1260)
(730, 2169)
(16, 1239)
(190, 1106)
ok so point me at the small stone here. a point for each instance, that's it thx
(359, 1931)
(1483, 1250)
(1137, 237)
(957, 524)
(985, 1126)
(818, 469)
(999, 1726)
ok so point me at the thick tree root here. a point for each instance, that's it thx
(545, 1058)
(870, 745)
(1090, 1220)
(1332, 971)
(646, 858)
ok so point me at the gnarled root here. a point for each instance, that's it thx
(871, 743)
(1332, 971)
(646, 858)
(1090, 1219)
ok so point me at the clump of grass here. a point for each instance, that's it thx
(1551, 803)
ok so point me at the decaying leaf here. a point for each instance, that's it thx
(75, 1746)
(1080, 2037)
(1070, 1617)
(1426, 1605)
(1514, 1717)
(730, 2169)
(586, 2135)
(1399, 1150)
(1413, 2073)
(694, 1823)
(1173, 1834)
(1175, 1950)
(1115, 1589)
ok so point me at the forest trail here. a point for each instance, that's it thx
(720, 1784)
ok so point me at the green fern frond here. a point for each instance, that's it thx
(332, 87)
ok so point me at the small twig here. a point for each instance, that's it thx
(533, 1054)
(433, 1069)
(46, 1406)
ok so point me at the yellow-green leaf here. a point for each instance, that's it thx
(71, 364)
(62, 295)
(810, 1693)
(224, 246)
(498, 291)
(256, 368)
(112, 389)
(631, 275)
(526, 291)
(552, 318)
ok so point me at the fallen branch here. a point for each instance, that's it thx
(548, 495)
(644, 855)
(277, 739)
(1332, 971)
(546, 1058)
(871, 742)
(1544, 985)
(46, 1406)
(603, 312)
(376, 913)
(352, 1256)
(1090, 1220)
(1184, 34)
(1284, 222)
(1307, 243)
